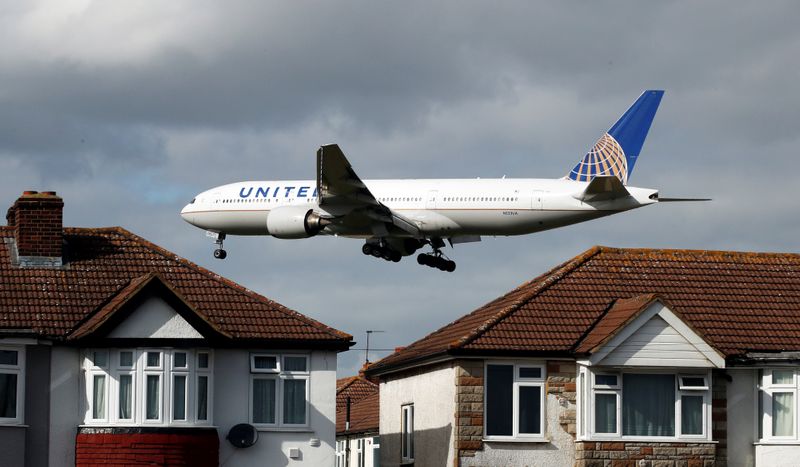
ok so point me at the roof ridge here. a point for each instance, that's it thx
(229, 283)
(544, 281)
(351, 380)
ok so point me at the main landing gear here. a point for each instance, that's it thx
(381, 251)
(220, 253)
(437, 259)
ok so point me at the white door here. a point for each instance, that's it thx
(430, 203)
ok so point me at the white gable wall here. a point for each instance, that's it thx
(658, 338)
(155, 319)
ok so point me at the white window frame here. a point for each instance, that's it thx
(516, 384)
(19, 371)
(587, 403)
(275, 370)
(361, 453)
(280, 378)
(767, 390)
(139, 371)
(407, 434)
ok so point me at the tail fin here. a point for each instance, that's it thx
(615, 152)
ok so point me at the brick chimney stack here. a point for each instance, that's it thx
(37, 219)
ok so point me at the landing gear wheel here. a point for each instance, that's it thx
(396, 257)
(220, 253)
(450, 266)
(386, 254)
(367, 249)
(422, 259)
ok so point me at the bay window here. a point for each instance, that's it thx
(514, 400)
(12, 379)
(655, 404)
(279, 390)
(147, 386)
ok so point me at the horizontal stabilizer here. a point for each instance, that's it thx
(603, 188)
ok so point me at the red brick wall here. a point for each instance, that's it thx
(39, 224)
(166, 447)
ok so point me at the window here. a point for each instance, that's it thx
(778, 404)
(514, 401)
(407, 433)
(647, 405)
(12, 379)
(147, 387)
(279, 390)
(360, 454)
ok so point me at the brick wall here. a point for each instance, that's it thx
(195, 447)
(469, 408)
(39, 225)
(629, 454)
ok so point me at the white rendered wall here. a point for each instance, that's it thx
(231, 407)
(742, 418)
(65, 402)
(560, 450)
(433, 394)
(155, 319)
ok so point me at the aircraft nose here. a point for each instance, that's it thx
(187, 214)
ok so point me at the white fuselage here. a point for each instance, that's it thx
(438, 207)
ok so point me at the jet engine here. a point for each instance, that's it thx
(290, 222)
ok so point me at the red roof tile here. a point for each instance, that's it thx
(364, 416)
(354, 387)
(738, 301)
(101, 263)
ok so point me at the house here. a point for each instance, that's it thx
(618, 357)
(357, 417)
(116, 351)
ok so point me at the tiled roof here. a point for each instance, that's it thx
(103, 265)
(620, 314)
(738, 301)
(364, 416)
(354, 387)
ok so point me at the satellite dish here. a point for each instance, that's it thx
(243, 435)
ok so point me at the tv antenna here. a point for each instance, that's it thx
(366, 350)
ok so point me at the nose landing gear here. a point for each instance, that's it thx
(219, 253)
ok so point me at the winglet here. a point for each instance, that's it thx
(615, 153)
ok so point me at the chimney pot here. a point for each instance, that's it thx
(49, 193)
(29, 192)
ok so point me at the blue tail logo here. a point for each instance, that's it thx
(615, 153)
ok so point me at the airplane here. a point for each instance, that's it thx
(396, 218)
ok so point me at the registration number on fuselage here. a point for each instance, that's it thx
(510, 213)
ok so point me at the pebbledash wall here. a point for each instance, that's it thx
(98, 444)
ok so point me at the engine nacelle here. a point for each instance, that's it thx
(291, 222)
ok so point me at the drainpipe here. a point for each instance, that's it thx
(347, 435)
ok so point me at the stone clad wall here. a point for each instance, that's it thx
(469, 408)
(629, 454)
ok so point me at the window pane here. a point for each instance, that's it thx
(499, 400)
(8, 395)
(782, 376)
(530, 372)
(692, 415)
(179, 360)
(648, 405)
(530, 409)
(179, 397)
(202, 360)
(126, 359)
(125, 396)
(605, 413)
(605, 380)
(153, 358)
(782, 413)
(153, 398)
(99, 396)
(263, 401)
(294, 401)
(202, 397)
(693, 381)
(8, 357)
(294, 364)
(100, 358)
(261, 362)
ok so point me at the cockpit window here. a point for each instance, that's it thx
(192, 201)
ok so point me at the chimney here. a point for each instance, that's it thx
(38, 229)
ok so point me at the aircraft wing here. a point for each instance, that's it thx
(603, 188)
(340, 190)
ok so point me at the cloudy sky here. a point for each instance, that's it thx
(128, 109)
